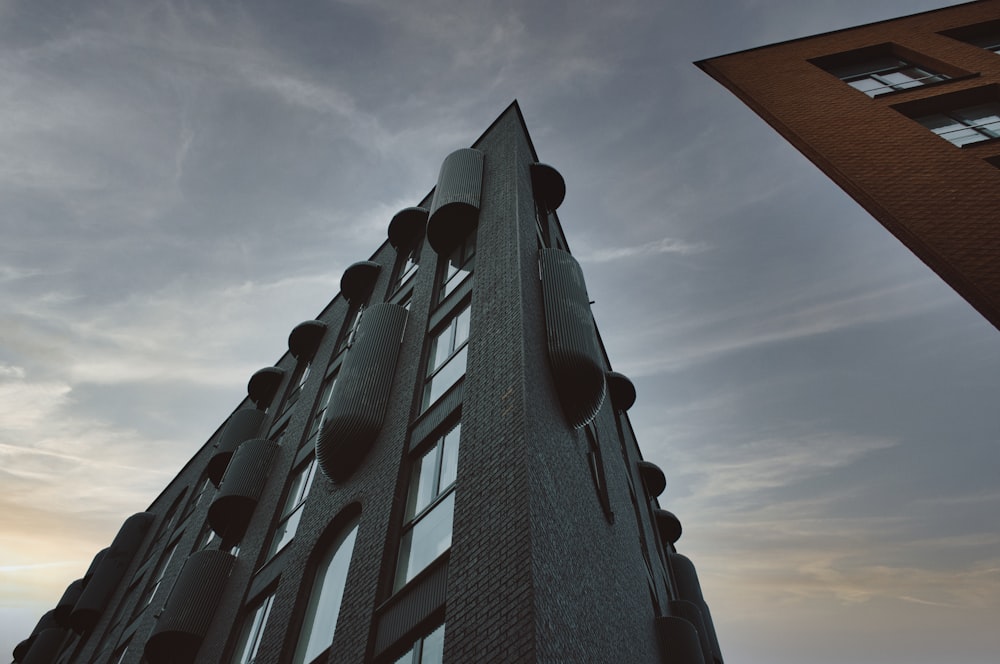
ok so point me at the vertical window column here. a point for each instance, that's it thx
(291, 513)
(253, 629)
(457, 267)
(430, 505)
(447, 356)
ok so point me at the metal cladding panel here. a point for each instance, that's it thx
(359, 280)
(679, 642)
(689, 588)
(68, 600)
(22, 648)
(93, 565)
(361, 395)
(574, 357)
(548, 186)
(243, 425)
(241, 487)
(691, 612)
(109, 572)
(190, 608)
(305, 338)
(45, 646)
(263, 385)
(416, 603)
(455, 207)
(407, 226)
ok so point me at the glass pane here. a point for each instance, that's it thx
(440, 349)
(983, 116)
(462, 327)
(869, 86)
(407, 657)
(422, 489)
(320, 620)
(445, 378)
(449, 457)
(433, 650)
(249, 641)
(285, 532)
(428, 539)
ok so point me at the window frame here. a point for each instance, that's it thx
(879, 62)
(252, 629)
(292, 510)
(452, 326)
(448, 279)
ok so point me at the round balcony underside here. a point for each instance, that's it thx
(652, 478)
(359, 280)
(621, 390)
(690, 612)
(234, 504)
(305, 339)
(548, 186)
(668, 525)
(339, 456)
(451, 224)
(407, 226)
(579, 384)
(68, 600)
(45, 646)
(263, 385)
(22, 648)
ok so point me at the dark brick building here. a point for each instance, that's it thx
(904, 115)
(440, 468)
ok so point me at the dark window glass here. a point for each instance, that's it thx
(253, 629)
(426, 650)
(962, 126)
(447, 356)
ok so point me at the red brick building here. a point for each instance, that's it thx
(904, 115)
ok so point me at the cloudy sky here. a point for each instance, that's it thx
(183, 182)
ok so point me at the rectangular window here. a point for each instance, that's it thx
(962, 126)
(426, 650)
(253, 630)
(447, 357)
(157, 578)
(983, 35)
(295, 502)
(457, 267)
(324, 402)
(407, 266)
(350, 328)
(430, 505)
(298, 382)
(879, 70)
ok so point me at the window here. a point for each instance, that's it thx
(324, 403)
(885, 73)
(157, 578)
(427, 650)
(350, 328)
(446, 361)
(253, 629)
(298, 382)
(457, 266)
(320, 619)
(430, 504)
(962, 126)
(407, 265)
(983, 35)
(294, 504)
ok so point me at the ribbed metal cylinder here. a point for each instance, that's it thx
(455, 207)
(190, 608)
(244, 424)
(574, 356)
(691, 612)
(45, 646)
(94, 598)
(406, 227)
(93, 565)
(241, 487)
(653, 478)
(68, 600)
(688, 587)
(548, 186)
(305, 339)
(359, 280)
(47, 621)
(361, 395)
(679, 642)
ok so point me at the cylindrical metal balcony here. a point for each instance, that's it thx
(189, 610)
(47, 621)
(305, 339)
(653, 478)
(361, 395)
(548, 186)
(68, 600)
(689, 588)
(358, 281)
(679, 641)
(406, 227)
(621, 390)
(94, 598)
(241, 487)
(45, 646)
(669, 527)
(244, 424)
(691, 612)
(455, 208)
(574, 356)
(263, 385)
